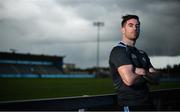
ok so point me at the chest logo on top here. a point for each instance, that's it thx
(133, 56)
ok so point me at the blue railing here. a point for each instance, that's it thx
(26, 62)
(47, 75)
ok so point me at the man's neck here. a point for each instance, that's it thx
(128, 42)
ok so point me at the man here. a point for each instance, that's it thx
(131, 68)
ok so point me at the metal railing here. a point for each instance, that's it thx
(163, 100)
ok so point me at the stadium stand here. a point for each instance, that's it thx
(23, 64)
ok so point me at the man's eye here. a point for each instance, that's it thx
(130, 25)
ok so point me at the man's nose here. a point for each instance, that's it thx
(135, 28)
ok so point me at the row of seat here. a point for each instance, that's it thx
(28, 69)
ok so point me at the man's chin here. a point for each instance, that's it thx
(134, 38)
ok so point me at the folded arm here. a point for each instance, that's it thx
(129, 75)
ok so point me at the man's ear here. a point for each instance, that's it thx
(122, 30)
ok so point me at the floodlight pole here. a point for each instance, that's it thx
(98, 24)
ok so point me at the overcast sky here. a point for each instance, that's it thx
(65, 27)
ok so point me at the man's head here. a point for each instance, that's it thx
(130, 27)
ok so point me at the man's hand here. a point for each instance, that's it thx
(148, 75)
(140, 71)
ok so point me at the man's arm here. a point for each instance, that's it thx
(129, 75)
(151, 76)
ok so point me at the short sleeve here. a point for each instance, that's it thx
(119, 57)
(149, 62)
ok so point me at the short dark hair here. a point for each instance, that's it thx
(128, 17)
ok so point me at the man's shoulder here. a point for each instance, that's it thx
(142, 52)
(117, 48)
(118, 51)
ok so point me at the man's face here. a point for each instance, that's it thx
(131, 29)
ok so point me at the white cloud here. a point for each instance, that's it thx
(19, 9)
(163, 61)
(66, 27)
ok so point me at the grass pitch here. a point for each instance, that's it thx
(20, 89)
(24, 89)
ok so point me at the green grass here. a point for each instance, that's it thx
(165, 85)
(24, 89)
(18, 89)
